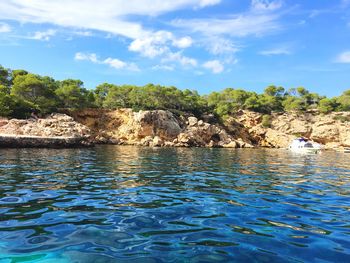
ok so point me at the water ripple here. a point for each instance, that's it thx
(173, 205)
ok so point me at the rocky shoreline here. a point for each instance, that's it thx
(55, 131)
(161, 128)
(8, 141)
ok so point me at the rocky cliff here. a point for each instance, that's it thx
(162, 128)
(57, 130)
(331, 130)
(155, 128)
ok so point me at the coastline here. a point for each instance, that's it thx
(25, 141)
(160, 128)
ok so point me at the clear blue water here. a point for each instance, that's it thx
(130, 204)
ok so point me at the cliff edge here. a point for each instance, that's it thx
(245, 129)
(162, 128)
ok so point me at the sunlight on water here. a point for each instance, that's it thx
(173, 205)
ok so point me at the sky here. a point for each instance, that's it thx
(205, 45)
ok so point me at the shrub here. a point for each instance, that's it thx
(266, 121)
(342, 118)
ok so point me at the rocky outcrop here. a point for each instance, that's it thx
(331, 130)
(57, 130)
(162, 128)
(155, 128)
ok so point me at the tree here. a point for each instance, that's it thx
(274, 91)
(344, 101)
(37, 90)
(28, 87)
(72, 94)
(101, 92)
(327, 105)
(294, 104)
(118, 97)
(6, 104)
(253, 103)
(5, 76)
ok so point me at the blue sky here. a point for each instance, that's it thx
(207, 45)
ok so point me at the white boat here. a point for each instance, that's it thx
(302, 145)
(344, 150)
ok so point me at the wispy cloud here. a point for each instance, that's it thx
(178, 57)
(163, 67)
(86, 14)
(83, 33)
(125, 19)
(220, 35)
(215, 66)
(241, 25)
(266, 5)
(343, 57)
(4, 28)
(112, 62)
(276, 51)
(220, 45)
(44, 35)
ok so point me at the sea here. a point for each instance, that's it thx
(138, 204)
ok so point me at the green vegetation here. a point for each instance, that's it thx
(22, 93)
(342, 118)
(266, 121)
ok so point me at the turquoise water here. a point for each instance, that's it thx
(130, 204)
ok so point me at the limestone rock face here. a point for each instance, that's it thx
(202, 134)
(158, 123)
(154, 128)
(245, 129)
(56, 130)
(331, 130)
(56, 125)
(162, 128)
(192, 121)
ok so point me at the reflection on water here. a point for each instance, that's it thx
(173, 205)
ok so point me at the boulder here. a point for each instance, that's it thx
(156, 142)
(192, 121)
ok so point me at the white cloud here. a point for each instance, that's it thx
(266, 5)
(112, 62)
(204, 3)
(119, 64)
(43, 35)
(219, 46)
(242, 25)
(152, 45)
(157, 43)
(214, 65)
(4, 28)
(84, 33)
(343, 57)
(163, 67)
(276, 51)
(86, 56)
(109, 16)
(183, 42)
(178, 57)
